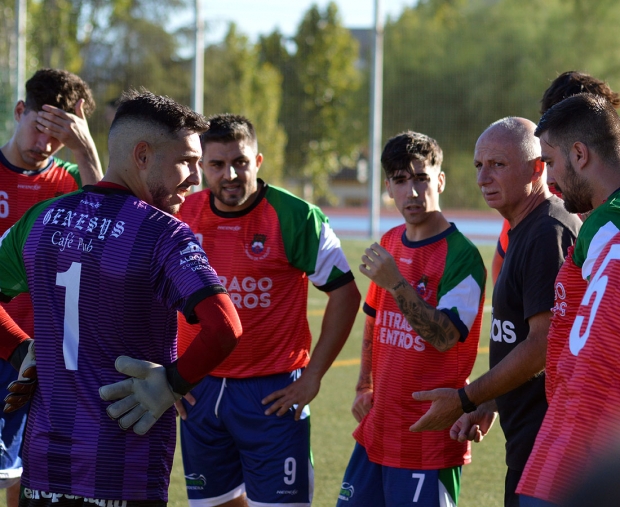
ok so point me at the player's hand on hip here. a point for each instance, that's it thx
(379, 265)
(22, 389)
(180, 406)
(296, 395)
(444, 411)
(362, 404)
(143, 397)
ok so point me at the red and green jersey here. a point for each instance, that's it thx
(571, 285)
(581, 423)
(21, 189)
(264, 256)
(448, 273)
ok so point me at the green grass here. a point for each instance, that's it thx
(332, 422)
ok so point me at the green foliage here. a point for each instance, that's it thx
(319, 111)
(451, 68)
(237, 81)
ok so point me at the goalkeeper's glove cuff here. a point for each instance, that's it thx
(19, 354)
(178, 384)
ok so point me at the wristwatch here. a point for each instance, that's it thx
(466, 403)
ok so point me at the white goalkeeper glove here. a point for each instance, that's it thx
(145, 396)
(22, 389)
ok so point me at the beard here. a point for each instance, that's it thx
(161, 197)
(576, 191)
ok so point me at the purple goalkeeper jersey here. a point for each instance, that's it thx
(107, 273)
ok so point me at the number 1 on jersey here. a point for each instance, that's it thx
(70, 280)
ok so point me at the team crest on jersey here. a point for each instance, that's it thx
(421, 288)
(257, 250)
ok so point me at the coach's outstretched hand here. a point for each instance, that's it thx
(21, 390)
(145, 396)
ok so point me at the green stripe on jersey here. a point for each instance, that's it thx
(309, 242)
(463, 281)
(595, 233)
(13, 279)
(72, 169)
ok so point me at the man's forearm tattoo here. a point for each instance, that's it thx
(431, 324)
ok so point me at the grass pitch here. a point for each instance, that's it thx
(332, 422)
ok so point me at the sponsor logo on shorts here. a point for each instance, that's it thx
(346, 491)
(35, 494)
(195, 481)
(287, 492)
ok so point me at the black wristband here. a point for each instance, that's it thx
(466, 403)
(179, 384)
(19, 354)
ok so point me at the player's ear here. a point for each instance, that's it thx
(20, 108)
(441, 182)
(259, 160)
(141, 155)
(579, 155)
(538, 169)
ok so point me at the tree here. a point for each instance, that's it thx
(236, 81)
(319, 111)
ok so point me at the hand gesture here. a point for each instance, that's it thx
(362, 404)
(379, 265)
(143, 397)
(473, 426)
(299, 393)
(22, 389)
(444, 411)
(70, 129)
(180, 407)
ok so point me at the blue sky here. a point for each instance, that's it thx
(257, 17)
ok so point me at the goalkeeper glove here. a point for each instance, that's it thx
(145, 396)
(22, 389)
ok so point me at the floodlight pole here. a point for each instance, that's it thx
(376, 112)
(20, 38)
(199, 60)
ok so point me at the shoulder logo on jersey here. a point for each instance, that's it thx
(195, 481)
(194, 258)
(346, 491)
(192, 248)
(421, 288)
(257, 250)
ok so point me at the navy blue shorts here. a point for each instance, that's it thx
(230, 446)
(367, 484)
(11, 431)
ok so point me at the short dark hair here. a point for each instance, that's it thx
(225, 128)
(401, 150)
(159, 110)
(58, 88)
(571, 83)
(587, 118)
